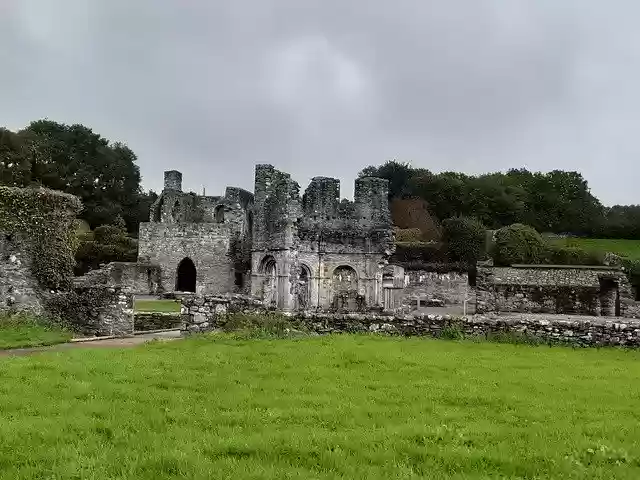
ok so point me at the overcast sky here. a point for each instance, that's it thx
(326, 87)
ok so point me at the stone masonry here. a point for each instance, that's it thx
(209, 313)
(200, 243)
(597, 291)
(315, 251)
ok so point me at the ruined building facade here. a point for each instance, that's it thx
(293, 251)
(200, 243)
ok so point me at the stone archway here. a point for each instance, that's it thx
(268, 271)
(344, 285)
(186, 276)
(303, 288)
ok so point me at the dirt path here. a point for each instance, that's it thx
(109, 343)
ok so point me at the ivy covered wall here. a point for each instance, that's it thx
(36, 244)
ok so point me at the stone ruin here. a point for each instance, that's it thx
(294, 252)
(311, 254)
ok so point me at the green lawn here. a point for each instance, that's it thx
(352, 407)
(22, 332)
(625, 248)
(165, 306)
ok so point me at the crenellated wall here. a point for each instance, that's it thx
(200, 243)
(317, 251)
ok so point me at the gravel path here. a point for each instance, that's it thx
(109, 343)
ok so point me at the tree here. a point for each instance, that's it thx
(76, 160)
(14, 162)
(398, 174)
(107, 243)
(518, 243)
(465, 239)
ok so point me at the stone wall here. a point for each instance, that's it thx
(19, 289)
(305, 248)
(146, 321)
(36, 245)
(204, 314)
(210, 233)
(425, 288)
(597, 291)
(207, 245)
(141, 279)
(94, 310)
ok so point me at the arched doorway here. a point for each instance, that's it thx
(186, 276)
(218, 214)
(303, 291)
(344, 284)
(269, 281)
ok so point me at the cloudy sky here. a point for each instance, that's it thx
(326, 87)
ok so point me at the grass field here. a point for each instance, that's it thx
(352, 407)
(166, 306)
(625, 248)
(22, 331)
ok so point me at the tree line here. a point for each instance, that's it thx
(103, 174)
(77, 160)
(553, 202)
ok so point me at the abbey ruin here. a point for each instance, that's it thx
(295, 252)
(330, 262)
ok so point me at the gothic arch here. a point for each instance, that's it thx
(269, 272)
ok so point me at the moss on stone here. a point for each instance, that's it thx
(42, 220)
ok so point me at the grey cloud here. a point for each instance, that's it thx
(328, 87)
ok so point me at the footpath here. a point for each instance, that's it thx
(98, 343)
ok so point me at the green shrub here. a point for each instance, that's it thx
(518, 243)
(561, 255)
(465, 239)
(271, 325)
(108, 243)
(451, 333)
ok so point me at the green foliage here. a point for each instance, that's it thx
(555, 201)
(337, 407)
(270, 325)
(518, 243)
(465, 239)
(42, 220)
(515, 338)
(621, 247)
(451, 332)
(107, 243)
(397, 173)
(559, 255)
(76, 160)
(24, 330)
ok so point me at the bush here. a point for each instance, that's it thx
(518, 243)
(108, 243)
(465, 239)
(560, 255)
(271, 325)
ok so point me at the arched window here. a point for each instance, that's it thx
(345, 279)
(269, 281)
(186, 276)
(218, 214)
(303, 292)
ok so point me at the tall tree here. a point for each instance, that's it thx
(74, 159)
